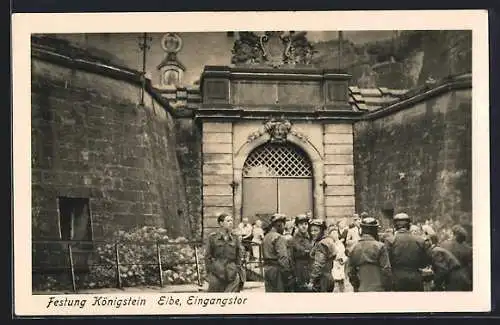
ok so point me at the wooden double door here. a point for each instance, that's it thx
(277, 178)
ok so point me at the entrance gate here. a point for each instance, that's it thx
(277, 178)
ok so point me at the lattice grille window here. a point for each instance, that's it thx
(274, 160)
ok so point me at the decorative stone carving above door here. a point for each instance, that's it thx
(278, 129)
(274, 48)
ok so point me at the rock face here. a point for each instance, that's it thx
(405, 61)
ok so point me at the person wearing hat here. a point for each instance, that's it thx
(323, 254)
(448, 273)
(408, 255)
(224, 254)
(300, 246)
(369, 264)
(278, 275)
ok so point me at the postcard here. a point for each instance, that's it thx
(251, 163)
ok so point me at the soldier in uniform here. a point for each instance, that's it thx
(323, 254)
(300, 246)
(369, 267)
(224, 254)
(408, 256)
(278, 275)
(449, 275)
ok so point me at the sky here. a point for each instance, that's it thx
(354, 36)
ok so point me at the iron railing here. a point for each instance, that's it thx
(58, 257)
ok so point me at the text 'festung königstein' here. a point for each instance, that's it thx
(104, 301)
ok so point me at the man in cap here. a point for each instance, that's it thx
(323, 254)
(369, 266)
(408, 255)
(277, 268)
(224, 254)
(300, 246)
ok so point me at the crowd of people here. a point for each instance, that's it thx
(306, 254)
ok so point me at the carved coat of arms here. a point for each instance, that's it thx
(272, 48)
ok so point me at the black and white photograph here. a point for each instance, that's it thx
(170, 170)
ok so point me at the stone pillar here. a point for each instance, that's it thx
(217, 150)
(338, 170)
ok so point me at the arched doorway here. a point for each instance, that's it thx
(277, 178)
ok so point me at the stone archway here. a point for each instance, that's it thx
(294, 138)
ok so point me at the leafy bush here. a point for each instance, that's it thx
(138, 256)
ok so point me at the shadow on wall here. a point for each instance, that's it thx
(417, 159)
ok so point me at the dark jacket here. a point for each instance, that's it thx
(323, 254)
(463, 252)
(299, 247)
(369, 267)
(275, 250)
(448, 272)
(277, 266)
(408, 255)
(223, 256)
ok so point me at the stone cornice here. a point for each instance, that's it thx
(290, 72)
(242, 114)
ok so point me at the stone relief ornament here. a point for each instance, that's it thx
(171, 43)
(278, 129)
(300, 50)
(274, 48)
(299, 135)
(255, 135)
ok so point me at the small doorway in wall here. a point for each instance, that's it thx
(75, 224)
